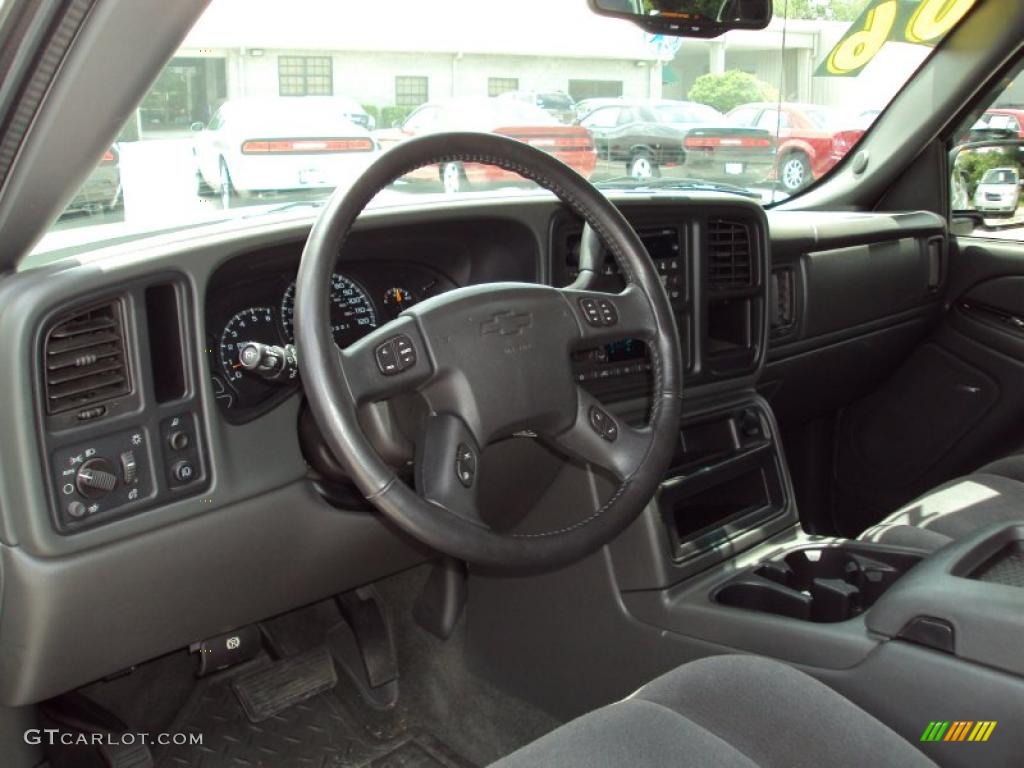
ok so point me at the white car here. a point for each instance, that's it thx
(267, 146)
(998, 191)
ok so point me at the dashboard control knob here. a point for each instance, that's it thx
(129, 468)
(76, 509)
(95, 478)
(178, 440)
(183, 471)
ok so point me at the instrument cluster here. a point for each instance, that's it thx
(253, 305)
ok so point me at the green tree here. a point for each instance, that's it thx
(730, 89)
(828, 10)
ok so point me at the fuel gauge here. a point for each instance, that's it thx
(398, 299)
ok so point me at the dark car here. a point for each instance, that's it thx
(101, 192)
(644, 139)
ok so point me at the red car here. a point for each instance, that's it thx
(811, 138)
(571, 144)
(1002, 120)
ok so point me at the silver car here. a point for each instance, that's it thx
(998, 191)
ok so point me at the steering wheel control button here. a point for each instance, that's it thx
(406, 352)
(465, 465)
(395, 355)
(95, 479)
(603, 424)
(609, 316)
(600, 313)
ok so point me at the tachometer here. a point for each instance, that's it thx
(352, 313)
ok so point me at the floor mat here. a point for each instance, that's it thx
(316, 733)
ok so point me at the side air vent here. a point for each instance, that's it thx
(85, 359)
(730, 255)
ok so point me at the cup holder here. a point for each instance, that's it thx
(825, 584)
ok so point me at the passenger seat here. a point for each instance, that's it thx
(993, 494)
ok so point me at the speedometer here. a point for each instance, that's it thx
(352, 313)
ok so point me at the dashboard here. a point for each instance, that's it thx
(140, 463)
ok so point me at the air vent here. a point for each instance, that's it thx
(730, 255)
(85, 360)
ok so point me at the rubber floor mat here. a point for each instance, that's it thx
(316, 733)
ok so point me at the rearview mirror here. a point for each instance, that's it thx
(689, 18)
(986, 180)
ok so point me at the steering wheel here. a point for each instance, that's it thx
(491, 361)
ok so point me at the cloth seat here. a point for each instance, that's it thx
(993, 494)
(724, 711)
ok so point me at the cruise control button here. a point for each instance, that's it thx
(405, 351)
(387, 359)
(591, 312)
(603, 424)
(609, 315)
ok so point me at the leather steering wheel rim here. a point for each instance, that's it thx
(467, 342)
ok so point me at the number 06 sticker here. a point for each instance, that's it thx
(922, 22)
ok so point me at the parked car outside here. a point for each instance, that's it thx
(529, 123)
(998, 191)
(558, 104)
(1004, 120)
(264, 146)
(101, 192)
(811, 138)
(650, 138)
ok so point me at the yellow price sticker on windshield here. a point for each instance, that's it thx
(921, 22)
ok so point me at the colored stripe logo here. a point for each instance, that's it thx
(958, 730)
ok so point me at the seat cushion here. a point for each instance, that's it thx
(994, 494)
(724, 711)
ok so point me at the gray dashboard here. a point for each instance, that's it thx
(248, 535)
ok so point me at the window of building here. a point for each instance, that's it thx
(595, 89)
(411, 91)
(305, 75)
(499, 85)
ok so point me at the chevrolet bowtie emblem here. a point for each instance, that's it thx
(507, 324)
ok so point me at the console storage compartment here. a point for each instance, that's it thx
(822, 584)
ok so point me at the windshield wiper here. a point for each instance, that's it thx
(316, 203)
(702, 185)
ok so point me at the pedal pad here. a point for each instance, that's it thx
(265, 692)
(363, 645)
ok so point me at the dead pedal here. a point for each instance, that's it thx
(265, 692)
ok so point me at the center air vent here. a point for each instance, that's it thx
(85, 360)
(730, 255)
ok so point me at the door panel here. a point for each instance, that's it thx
(955, 404)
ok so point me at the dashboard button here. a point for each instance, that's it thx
(178, 440)
(183, 471)
(76, 509)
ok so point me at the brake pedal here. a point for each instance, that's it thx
(269, 690)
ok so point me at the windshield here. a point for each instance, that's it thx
(267, 107)
(1000, 176)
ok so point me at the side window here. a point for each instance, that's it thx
(987, 175)
(771, 120)
(421, 120)
(607, 117)
(217, 120)
(626, 116)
